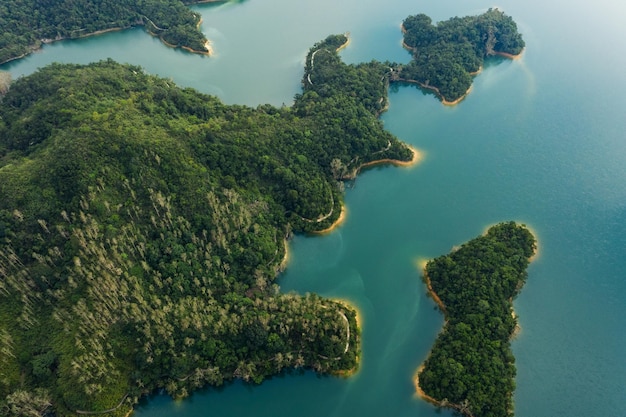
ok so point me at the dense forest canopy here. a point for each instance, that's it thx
(471, 367)
(27, 23)
(447, 55)
(142, 226)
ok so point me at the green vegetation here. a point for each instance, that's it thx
(142, 227)
(446, 56)
(27, 23)
(471, 367)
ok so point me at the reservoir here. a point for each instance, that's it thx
(539, 140)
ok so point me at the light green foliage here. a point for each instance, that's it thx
(5, 82)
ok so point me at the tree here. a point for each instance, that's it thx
(5, 82)
(27, 404)
(446, 56)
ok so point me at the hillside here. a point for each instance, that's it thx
(142, 227)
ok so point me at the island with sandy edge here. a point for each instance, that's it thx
(475, 292)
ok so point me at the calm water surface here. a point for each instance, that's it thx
(540, 140)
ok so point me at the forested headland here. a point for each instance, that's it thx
(26, 24)
(142, 227)
(471, 368)
(446, 56)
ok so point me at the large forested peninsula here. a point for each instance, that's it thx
(471, 367)
(26, 24)
(447, 55)
(142, 227)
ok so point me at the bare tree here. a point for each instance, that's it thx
(5, 82)
(27, 404)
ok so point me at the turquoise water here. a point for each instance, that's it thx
(539, 140)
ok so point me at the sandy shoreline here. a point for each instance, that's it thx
(209, 51)
(335, 224)
(445, 404)
(510, 56)
(348, 304)
(535, 255)
(419, 391)
(417, 157)
(432, 292)
(444, 101)
(345, 44)
(285, 261)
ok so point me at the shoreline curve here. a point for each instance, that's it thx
(37, 46)
(340, 220)
(417, 157)
(359, 325)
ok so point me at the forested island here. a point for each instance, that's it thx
(26, 24)
(471, 368)
(446, 56)
(142, 227)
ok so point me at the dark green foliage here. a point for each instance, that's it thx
(27, 23)
(471, 367)
(446, 55)
(142, 226)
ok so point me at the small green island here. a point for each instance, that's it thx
(446, 56)
(27, 24)
(471, 368)
(143, 225)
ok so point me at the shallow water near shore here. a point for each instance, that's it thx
(539, 140)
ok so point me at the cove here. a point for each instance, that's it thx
(538, 140)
